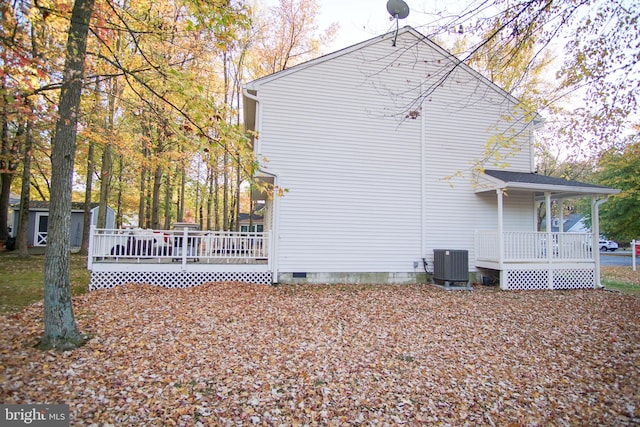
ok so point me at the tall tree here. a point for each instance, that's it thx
(619, 168)
(597, 38)
(21, 236)
(289, 35)
(60, 329)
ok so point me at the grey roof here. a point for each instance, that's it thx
(534, 178)
(44, 205)
(254, 217)
(559, 187)
(570, 221)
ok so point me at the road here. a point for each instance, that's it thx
(617, 258)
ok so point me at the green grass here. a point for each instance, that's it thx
(622, 287)
(22, 280)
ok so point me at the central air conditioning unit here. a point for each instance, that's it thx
(451, 266)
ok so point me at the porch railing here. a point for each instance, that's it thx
(533, 246)
(149, 246)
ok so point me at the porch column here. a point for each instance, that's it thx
(500, 194)
(595, 228)
(549, 242)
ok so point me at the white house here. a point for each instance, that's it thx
(388, 153)
(392, 163)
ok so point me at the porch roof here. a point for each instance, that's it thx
(559, 188)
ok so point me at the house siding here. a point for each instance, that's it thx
(337, 136)
(460, 121)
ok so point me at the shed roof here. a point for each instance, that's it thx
(43, 205)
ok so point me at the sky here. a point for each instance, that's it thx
(358, 19)
(361, 20)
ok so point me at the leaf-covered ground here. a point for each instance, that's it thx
(621, 274)
(237, 354)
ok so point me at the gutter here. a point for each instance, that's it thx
(257, 119)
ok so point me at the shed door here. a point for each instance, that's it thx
(42, 224)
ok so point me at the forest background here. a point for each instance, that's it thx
(160, 135)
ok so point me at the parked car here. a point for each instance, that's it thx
(607, 245)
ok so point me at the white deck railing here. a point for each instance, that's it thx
(156, 246)
(521, 246)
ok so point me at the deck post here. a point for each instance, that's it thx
(92, 230)
(184, 248)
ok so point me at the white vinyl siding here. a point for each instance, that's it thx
(336, 135)
(461, 117)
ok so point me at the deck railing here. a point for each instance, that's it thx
(521, 246)
(156, 246)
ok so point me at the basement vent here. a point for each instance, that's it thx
(450, 266)
(298, 275)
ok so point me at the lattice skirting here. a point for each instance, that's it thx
(567, 278)
(110, 279)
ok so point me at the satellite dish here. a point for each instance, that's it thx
(398, 9)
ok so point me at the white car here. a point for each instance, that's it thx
(607, 245)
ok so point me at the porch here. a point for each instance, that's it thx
(540, 259)
(177, 258)
(525, 260)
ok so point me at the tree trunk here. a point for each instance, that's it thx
(225, 189)
(119, 214)
(157, 180)
(86, 224)
(209, 194)
(5, 194)
(147, 204)
(60, 329)
(238, 185)
(21, 237)
(155, 208)
(8, 166)
(216, 198)
(183, 184)
(105, 185)
(107, 154)
(143, 175)
(168, 200)
(4, 166)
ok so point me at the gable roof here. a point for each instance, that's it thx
(571, 220)
(253, 87)
(492, 180)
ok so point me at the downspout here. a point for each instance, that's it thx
(274, 235)
(595, 226)
(257, 149)
(423, 187)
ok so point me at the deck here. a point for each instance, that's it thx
(526, 261)
(177, 258)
